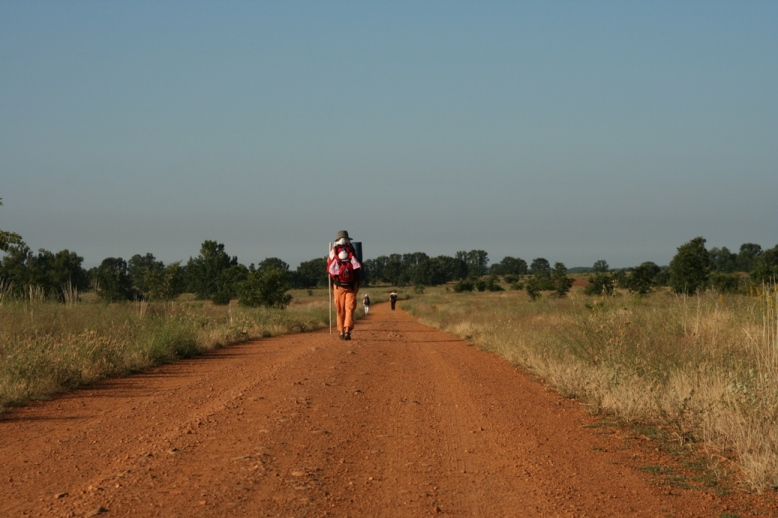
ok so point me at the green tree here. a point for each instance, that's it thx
(641, 278)
(273, 263)
(374, 268)
(265, 287)
(15, 267)
(111, 280)
(722, 260)
(727, 282)
(766, 267)
(748, 256)
(312, 274)
(560, 281)
(477, 262)
(50, 272)
(690, 268)
(600, 266)
(540, 269)
(228, 283)
(464, 285)
(449, 268)
(144, 271)
(207, 276)
(416, 267)
(493, 284)
(509, 266)
(393, 271)
(539, 266)
(60, 272)
(168, 283)
(600, 284)
(533, 288)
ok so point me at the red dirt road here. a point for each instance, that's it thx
(402, 421)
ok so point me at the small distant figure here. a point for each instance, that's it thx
(343, 266)
(366, 303)
(393, 299)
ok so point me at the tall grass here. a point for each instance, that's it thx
(47, 347)
(703, 367)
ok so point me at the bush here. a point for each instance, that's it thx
(533, 288)
(690, 268)
(464, 285)
(561, 282)
(728, 282)
(265, 287)
(493, 284)
(642, 278)
(600, 284)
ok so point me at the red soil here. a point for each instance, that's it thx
(402, 421)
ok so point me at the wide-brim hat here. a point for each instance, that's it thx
(342, 234)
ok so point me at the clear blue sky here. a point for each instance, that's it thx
(568, 130)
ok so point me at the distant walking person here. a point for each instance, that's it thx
(366, 303)
(343, 269)
(393, 299)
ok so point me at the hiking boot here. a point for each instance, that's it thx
(347, 336)
(342, 337)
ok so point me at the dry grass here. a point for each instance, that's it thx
(47, 347)
(705, 368)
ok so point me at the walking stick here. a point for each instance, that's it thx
(329, 290)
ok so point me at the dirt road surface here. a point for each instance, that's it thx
(402, 421)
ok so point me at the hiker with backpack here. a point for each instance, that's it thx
(366, 303)
(344, 271)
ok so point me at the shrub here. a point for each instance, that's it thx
(561, 282)
(265, 287)
(221, 298)
(533, 288)
(464, 285)
(727, 282)
(600, 284)
(690, 268)
(493, 284)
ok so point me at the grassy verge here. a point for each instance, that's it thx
(705, 368)
(47, 348)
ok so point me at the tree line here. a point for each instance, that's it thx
(212, 275)
(217, 276)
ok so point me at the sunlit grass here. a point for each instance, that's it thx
(704, 367)
(47, 347)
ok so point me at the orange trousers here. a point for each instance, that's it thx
(345, 305)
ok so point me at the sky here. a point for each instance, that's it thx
(572, 131)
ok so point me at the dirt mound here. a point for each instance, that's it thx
(401, 421)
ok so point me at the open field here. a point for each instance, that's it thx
(46, 348)
(700, 370)
(402, 421)
(694, 373)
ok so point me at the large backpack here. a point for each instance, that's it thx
(346, 274)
